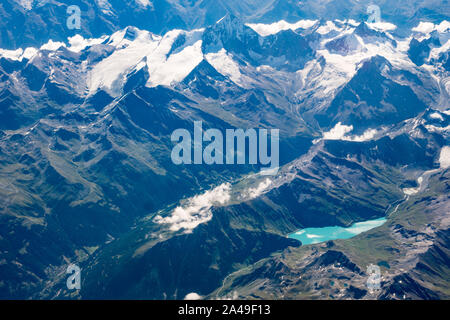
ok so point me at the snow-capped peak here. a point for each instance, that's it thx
(273, 28)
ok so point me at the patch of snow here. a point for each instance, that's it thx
(110, 72)
(26, 4)
(328, 27)
(176, 67)
(349, 22)
(444, 158)
(436, 52)
(437, 116)
(164, 69)
(104, 6)
(432, 128)
(29, 53)
(412, 191)
(145, 3)
(344, 67)
(338, 70)
(224, 64)
(268, 29)
(52, 45)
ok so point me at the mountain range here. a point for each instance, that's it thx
(86, 175)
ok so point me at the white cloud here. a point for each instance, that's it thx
(338, 132)
(424, 27)
(369, 134)
(18, 54)
(428, 27)
(78, 43)
(197, 209)
(11, 54)
(383, 26)
(253, 193)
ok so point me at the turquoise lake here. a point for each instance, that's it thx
(317, 235)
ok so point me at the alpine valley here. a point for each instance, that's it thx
(86, 175)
